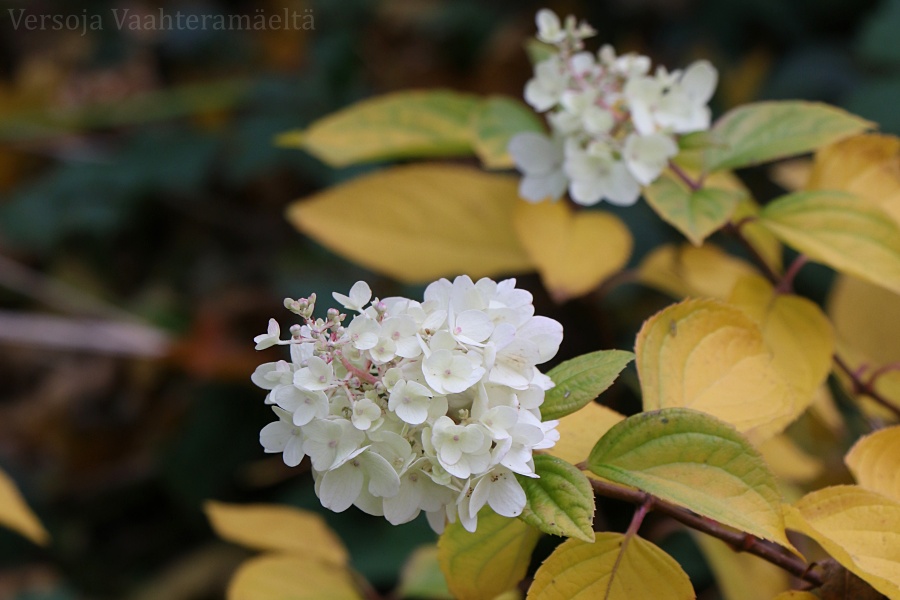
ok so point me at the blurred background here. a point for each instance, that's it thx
(143, 242)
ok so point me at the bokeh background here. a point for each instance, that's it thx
(143, 244)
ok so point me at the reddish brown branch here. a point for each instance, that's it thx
(866, 388)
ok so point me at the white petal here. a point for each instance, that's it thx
(275, 436)
(339, 488)
(293, 451)
(383, 479)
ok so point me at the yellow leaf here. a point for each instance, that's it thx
(866, 320)
(403, 124)
(874, 461)
(793, 174)
(741, 576)
(493, 560)
(494, 122)
(858, 528)
(612, 568)
(839, 230)
(573, 252)
(838, 166)
(290, 577)
(280, 528)
(420, 222)
(579, 431)
(709, 356)
(766, 245)
(687, 271)
(15, 514)
(796, 595)
(796, 332)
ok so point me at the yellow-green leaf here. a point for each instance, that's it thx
(796, 332)
(710, 356)
(290, 577)
(686, 270)
(15, 514)
(841, 231)
(612, 568)
(560, 501)
(279, 528)
(764, 131)
(494, 122)
(579, 431)
(740, 575)
(858, 528)
(420, 222)
(580, 380)
(573, 253)
(696, 461)
(796, 595)
(874, 461)
(484, 564)
(421, 576)
(398, 125)
(695, 213)
(766, 245)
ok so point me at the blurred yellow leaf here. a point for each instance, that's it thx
(739, 575)
(839, 230)
(841, 165)
(573, 252)
(420, 222)
(792, 174)
(710, 356)
(796, 595)
(796, 332)
(421, 576)
(579, 431)
(858, 528)
(612, 568)
(866, 320)
(290, 577)
(874, 461)
(280, 528)
(493, 560)
(688, 271)
(15, 514)
(402, 124)
(766, 245)
(788, 461)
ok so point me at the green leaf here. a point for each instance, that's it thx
(696, 214)
(615, 567)
(484, 564)
(764, 131)
(560, 501)
(841, 231)
(494, 122)
(694, 460)
(580, 380)
(399, 125)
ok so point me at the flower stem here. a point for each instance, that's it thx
(786, 285)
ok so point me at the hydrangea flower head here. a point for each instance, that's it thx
(614, 123)
(414, 406)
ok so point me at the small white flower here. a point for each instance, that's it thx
(540, 159)
(450, 373)
(550, 80)
(550, 29)
(499, 489)
(365, 414)
(411, 400)
(360, 294)
(282, 436)
(271, 338)
(647, 155)
(596, 178)
(318, 375)
(329, 443)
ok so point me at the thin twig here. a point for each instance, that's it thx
(683, 176)
(866, 388)
(735, 230)
(739, 541)
(786, 285)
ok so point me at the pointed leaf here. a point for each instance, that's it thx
(859, 528)
(687, 270)
(398, 125)
(709, 356)
(612, 568)
(839, 230)
(579, 431)
(874, 461)
(696, 461)
(484, 564)
(560, 501)
(290, 577)
(573, 252)
(740, 575)
(580, 380)
(15, 514)
(418, 223)
(697, 213)
(494, 122)
(280, 528)
(764, 131)
(796, 332)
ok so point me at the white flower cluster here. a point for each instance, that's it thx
(415, 406)
(614, 124)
